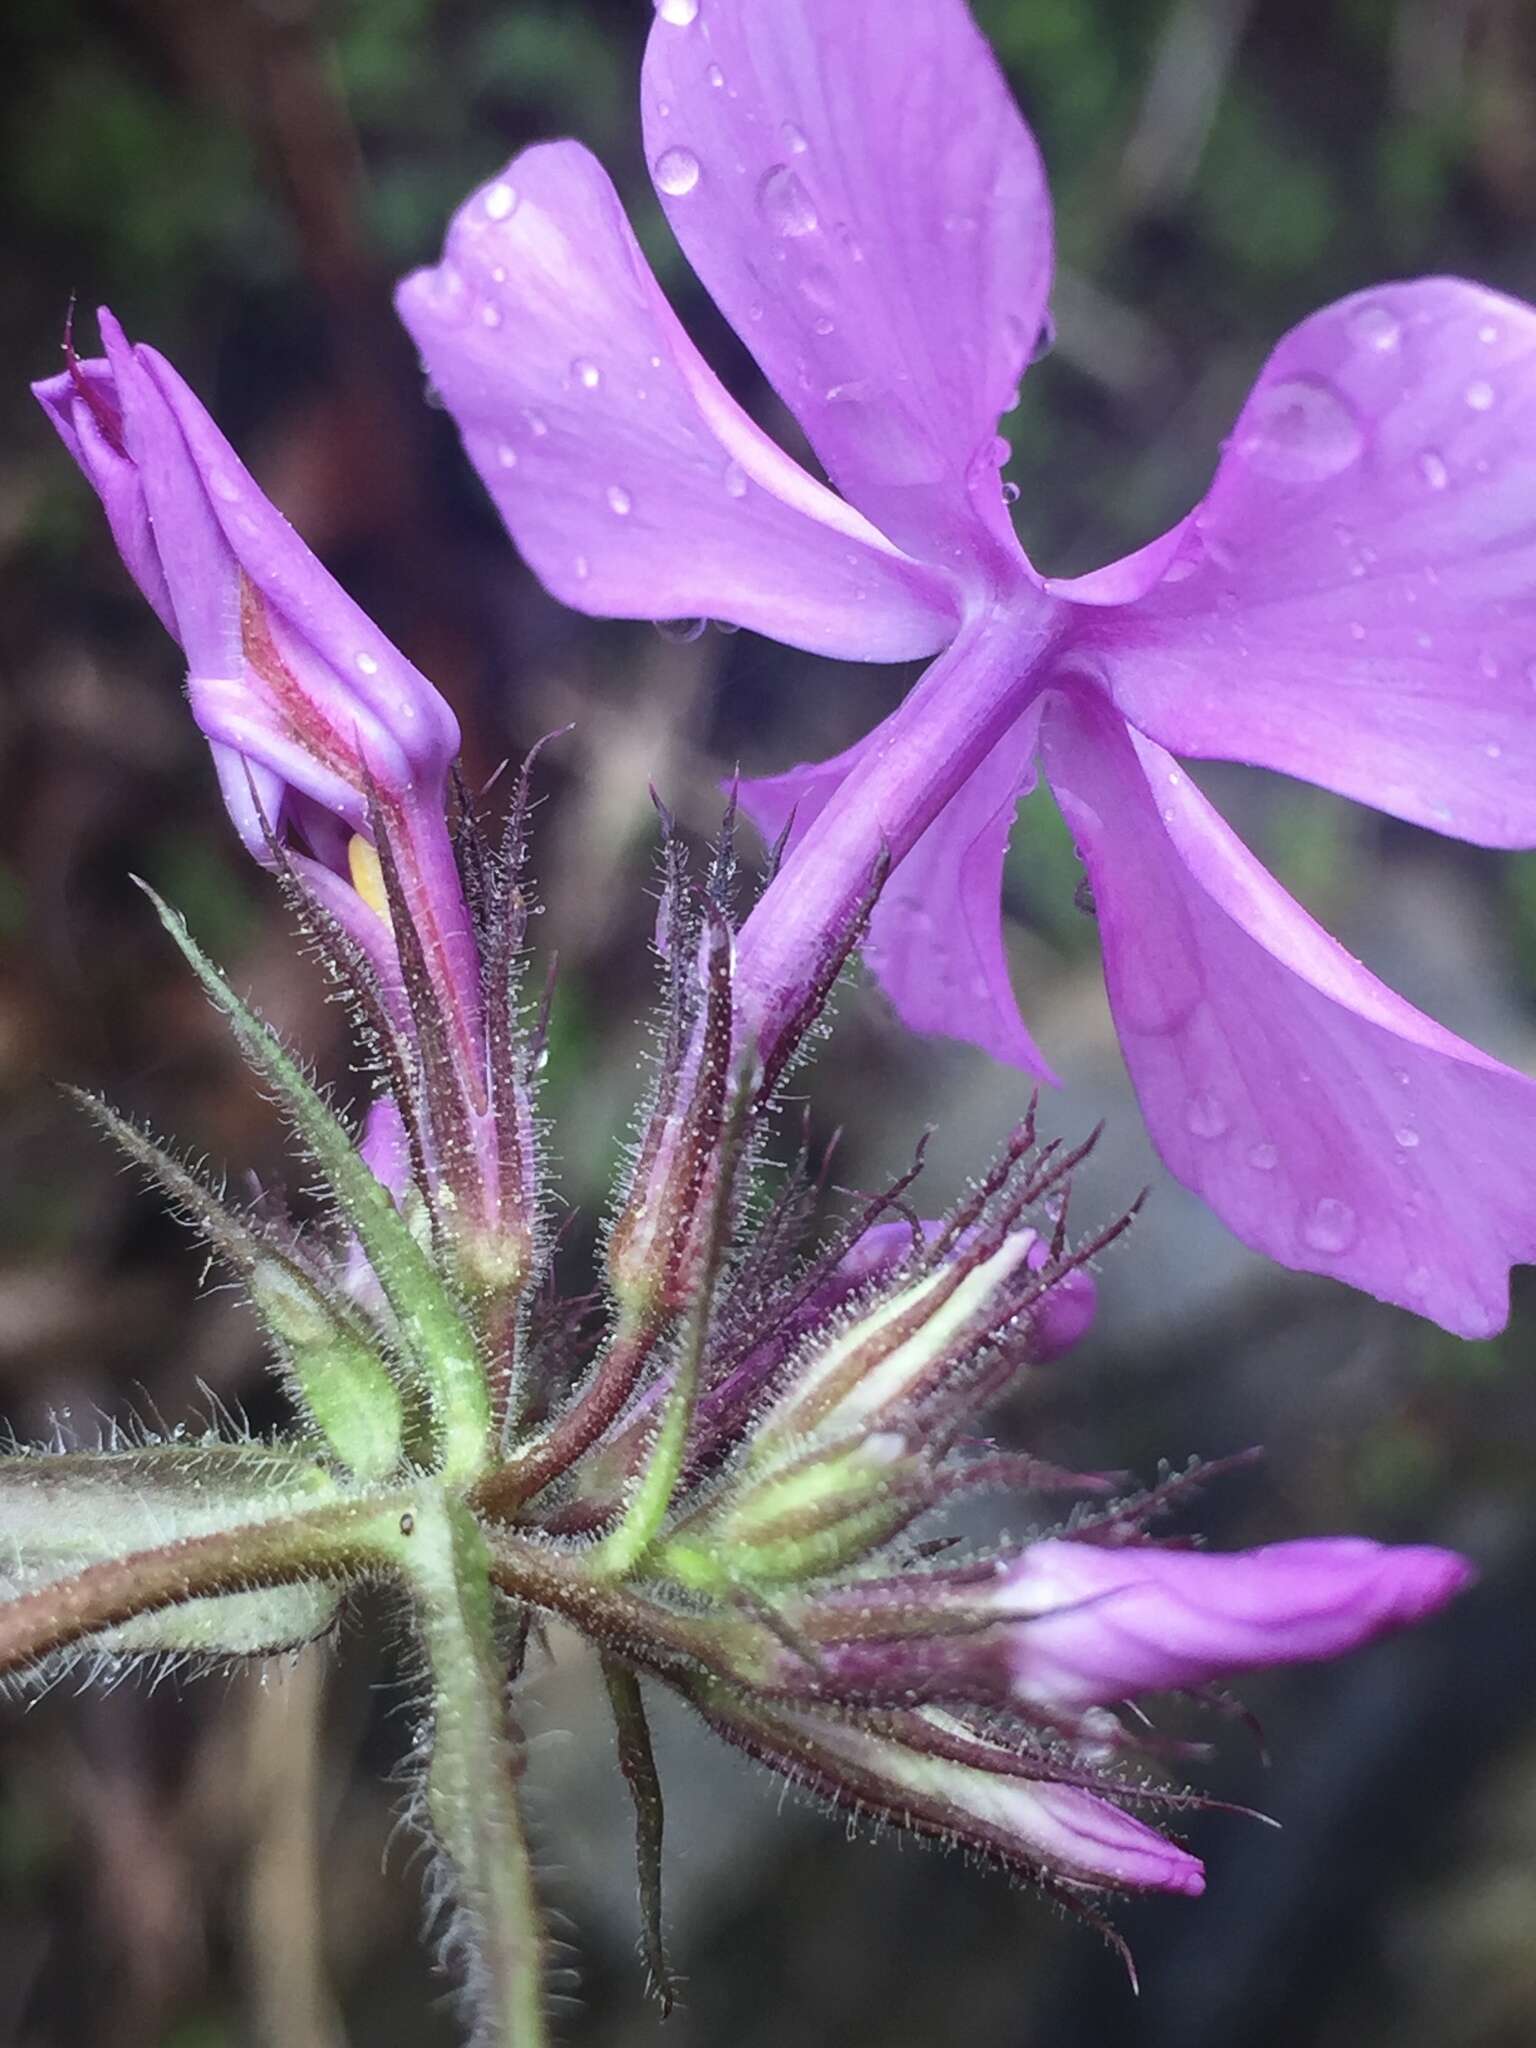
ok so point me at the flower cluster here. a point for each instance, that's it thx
(732, 1488)
(1353, 602)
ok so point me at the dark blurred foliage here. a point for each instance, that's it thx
(242, 179)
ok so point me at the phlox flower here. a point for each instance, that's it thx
(1353, 602)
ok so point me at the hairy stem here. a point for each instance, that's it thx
(472, 1775)
(338, 1542)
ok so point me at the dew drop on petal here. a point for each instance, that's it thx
(1205, 1116)
(680, 631)
(506, 455)
(367, 664)
(1300, 431)
(224, 486)
(715, 76)
(1479, 395)
(490, 316)
(501, 202)
(793, 139)
(586, 373)
(735, 480)
(619, 500)
(677, 172)
(538, 426)
(1488, 334)
(785, 204)
(1045, 340)
(1374, 327)
(1433, 470)
(826, 325)
(583, 568)
(1406, 1136)
(1264, 1158)
(1356, 630)
(1010, 494)
(1331, 1226)
(680, 13)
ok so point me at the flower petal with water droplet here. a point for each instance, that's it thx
(843, 149)
(670, 506)
(1225, 991)
(1362, 574)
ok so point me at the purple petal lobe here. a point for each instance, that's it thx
(632, 482)
(291, 682)
(1355, 600)
(1096, 1624)
(935, 941)
(1326, 1121)
(869, 209)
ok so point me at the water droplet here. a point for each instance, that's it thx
(506, 455)
(1300, 432)
(1493, 750)
(680, 13)
(1406, 1136)
(1433, 470)
(1356, 630)
(677, 172)
(1044, 341)
(1402, 1077)
(224, 486)
(1010, 494)
(726, 626)
(793, 139)
(1374, 327)
(786, 205)
(826, 325)
(1479, 395)
(490, 316)
(583, 568)
(715, 76)
(1424, 642)
(619, 500)
(1331, 1226)
(735, 480)
(367, 664)
(1205, 1116)
(1488, 334)
(538, 426)
(501, 202)
(1264, 1158)
(586, 373)
(680, 631)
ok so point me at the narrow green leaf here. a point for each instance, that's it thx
(436, 1338)
(335, 1361)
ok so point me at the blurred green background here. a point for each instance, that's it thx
(241, 180)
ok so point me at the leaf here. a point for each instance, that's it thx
(436, 1339)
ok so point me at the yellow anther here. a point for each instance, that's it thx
(367, 875)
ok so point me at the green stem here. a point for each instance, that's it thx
(472, 1777)
(334, 1542)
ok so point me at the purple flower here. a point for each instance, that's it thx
(1090, 1624)
(333, 754)
(1353, 602)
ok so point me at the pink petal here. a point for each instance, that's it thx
(631, 481)
(935, 941)
(1355, 601)
(857, 189)
(1097, 1625)
(1326, 1121)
